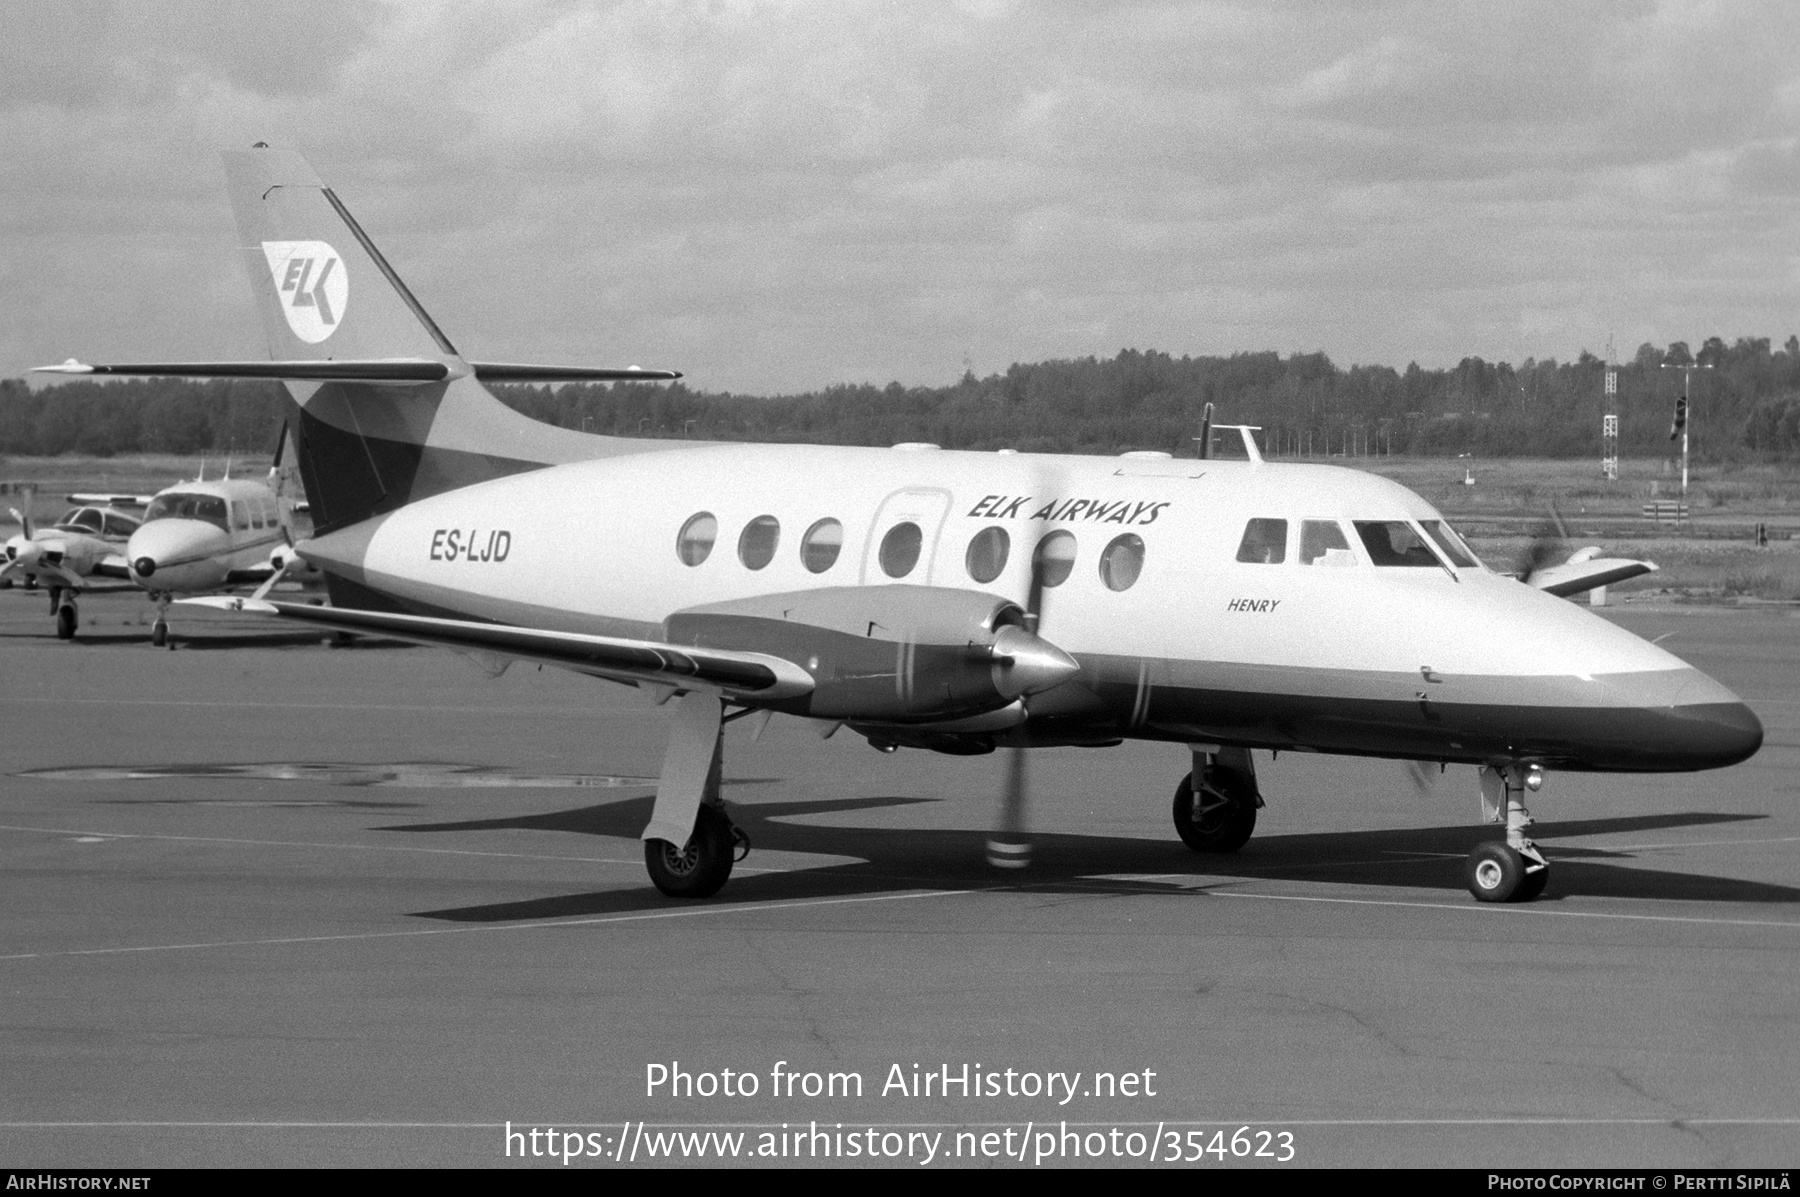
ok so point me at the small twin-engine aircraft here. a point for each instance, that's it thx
(952, 601)
(88, 542)
(191, 538)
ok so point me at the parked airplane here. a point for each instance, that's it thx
(190, 538)
(953, 601)
(86, 543)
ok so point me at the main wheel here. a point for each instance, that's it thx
(67, 620)
(1496, 873)
(159, 633)
(1221, 821)
(699, 868)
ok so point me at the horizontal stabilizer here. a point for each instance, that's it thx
(500, 372)
(323, 370)
(732, 673)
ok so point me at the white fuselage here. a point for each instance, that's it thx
(1200, 645)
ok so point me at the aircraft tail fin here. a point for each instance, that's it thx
(388, 411)
(323, 289)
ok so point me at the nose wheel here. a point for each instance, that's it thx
(1514, 871)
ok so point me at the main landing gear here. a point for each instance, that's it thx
(691, 843)
(1215, 805)
(68, 615)
(1514, 871)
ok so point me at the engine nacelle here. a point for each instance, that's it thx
(888, 653)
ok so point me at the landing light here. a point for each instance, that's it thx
(1534, 778)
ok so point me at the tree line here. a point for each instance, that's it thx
(1746, 402)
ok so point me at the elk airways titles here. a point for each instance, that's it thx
(451, 544)
(1122, 511)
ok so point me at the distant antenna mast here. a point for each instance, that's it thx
(1609, 423)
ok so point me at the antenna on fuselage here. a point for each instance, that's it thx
(1205, 437)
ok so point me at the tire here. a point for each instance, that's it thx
(1225, 821)
(701, 867)
(1532, 886)
(1495, 873)
(67, 620)
(159, 634)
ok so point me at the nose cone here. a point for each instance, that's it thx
(177, 554)
(1709, 735)
(1028, 664)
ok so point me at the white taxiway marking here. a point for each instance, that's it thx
(1474, 907)
(1784, 839)
(99, 837)
(537, 926)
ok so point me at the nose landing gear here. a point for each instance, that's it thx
(1514, 871)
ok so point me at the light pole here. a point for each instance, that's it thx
(1687, 412)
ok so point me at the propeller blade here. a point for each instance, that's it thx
(1009, 847)
(24, 522)
(1549, 537)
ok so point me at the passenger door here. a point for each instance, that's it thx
(925, 508)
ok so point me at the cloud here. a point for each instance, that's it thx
(776, 195)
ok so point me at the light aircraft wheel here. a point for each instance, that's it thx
(159, 633)
(67, 620)
(30, 582)
(5, 583)
(1496, 873)
(701, 867)
(1221, 822)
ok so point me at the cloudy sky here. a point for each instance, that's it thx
(777, 196)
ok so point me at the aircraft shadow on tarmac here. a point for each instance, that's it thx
(894, 860)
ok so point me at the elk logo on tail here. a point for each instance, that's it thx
(312, 284)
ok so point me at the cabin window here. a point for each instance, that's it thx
(1055, 558)
(900, 549)
(1395, 542)
(820, 547)
(1264, 543)
(1454, 546)
(1123, 560)
(757, 542)
(87, 518)
(987, 554)
(1322, 543)
(240, 514)
(694, 543)
(119, 525)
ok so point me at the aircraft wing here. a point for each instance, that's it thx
(106, 500)
(1580, 574)
(735, 674)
